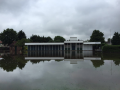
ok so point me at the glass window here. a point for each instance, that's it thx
(68, 50)
(80, 48)
(77, 50)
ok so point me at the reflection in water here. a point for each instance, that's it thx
(72, 56)
(116, 62)
(97, 63)
(67, 54)
(45, 53)
(43, 73)
(9, 63)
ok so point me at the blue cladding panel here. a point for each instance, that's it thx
(56, 47)
(39, 47)
(28, 48)
(62, 47)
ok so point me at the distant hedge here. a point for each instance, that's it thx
(111, 48)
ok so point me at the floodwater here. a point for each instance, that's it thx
(72, 70)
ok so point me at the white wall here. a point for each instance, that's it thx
(87, 47)
(88, 53)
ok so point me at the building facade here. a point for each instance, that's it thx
(72, 44)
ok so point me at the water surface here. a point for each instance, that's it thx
(77, 72)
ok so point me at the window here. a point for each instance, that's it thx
(65, 50)
(80, 48)
(68, 50)
(77, 50)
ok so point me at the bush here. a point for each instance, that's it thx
(25, 50)
(111, 48)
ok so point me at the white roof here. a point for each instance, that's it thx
(92, 58)
(44, 43)
(92, 43)
(44, 58)
(62, 43)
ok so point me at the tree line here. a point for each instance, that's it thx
(10, 35)
(98, 36)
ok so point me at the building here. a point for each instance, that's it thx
(72, 44)
(14, 50)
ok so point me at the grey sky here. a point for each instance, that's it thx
(64, 17)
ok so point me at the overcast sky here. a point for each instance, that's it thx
(66, 18)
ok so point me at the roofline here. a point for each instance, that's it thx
(62, 43)
(44, 43)
(92, 43)
(44, 58)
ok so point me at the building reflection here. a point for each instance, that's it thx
(10, 63)
(73, 56)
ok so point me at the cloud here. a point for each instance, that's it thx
(66, 17)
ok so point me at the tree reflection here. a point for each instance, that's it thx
(10, 63)
(97, 63)
(21, 61)
(37, 61)
(112, 56)
(116, 62)
(34, 61)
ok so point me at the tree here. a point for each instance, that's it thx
(59, 39)
(8, 36)
(109, 40)
(116, 39)
(21, 35)
(22, 42)
(49, 39)
(35, 38)
(97, 36)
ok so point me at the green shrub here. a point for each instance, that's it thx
(25, 49)
(111, 48)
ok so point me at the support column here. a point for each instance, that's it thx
(40, 50)
(52, 50)
(83, 50)
(44, 50)
(70, 50)
(75, 50)
(60, 50)
(38, 47)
